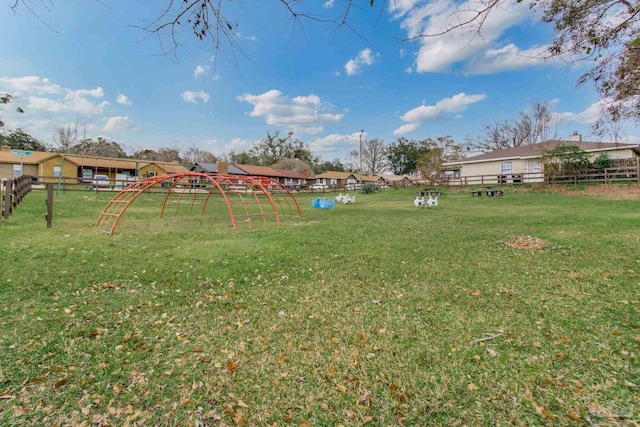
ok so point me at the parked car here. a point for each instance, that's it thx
(318, 187)
(100, 181)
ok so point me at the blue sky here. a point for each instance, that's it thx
(88, 60)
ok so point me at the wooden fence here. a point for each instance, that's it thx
(605, 176)
(12, 191)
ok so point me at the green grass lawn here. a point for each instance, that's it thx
(375, 313)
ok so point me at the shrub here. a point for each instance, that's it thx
(369, 188)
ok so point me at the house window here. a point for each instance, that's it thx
(507, 168)
(87, 175)
(151, 173)
(334, 181)
(57, 171)
(17, 171)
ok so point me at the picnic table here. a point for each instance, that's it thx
(489, 192)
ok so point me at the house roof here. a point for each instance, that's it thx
(261, 171)
(396, 178)
(213, 168)
(38, 157)
(536, 150)
(335, 175)
(105, 162)
(170, 167)
(293, 174)
(373, 178)
(34, 158)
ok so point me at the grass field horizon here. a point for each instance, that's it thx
(481, 311)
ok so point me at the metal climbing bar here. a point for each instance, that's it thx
(251, 195)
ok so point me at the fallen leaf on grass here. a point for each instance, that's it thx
(540, 410)
(231, 367)
(573, 416)
(472, 387)
(61, 382)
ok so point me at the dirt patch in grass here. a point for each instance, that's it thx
(609, 191)
(526, 242)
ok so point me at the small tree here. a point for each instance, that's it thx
(603, 161)
(565, 159)
(20, 140)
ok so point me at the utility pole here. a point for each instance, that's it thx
(361, 133)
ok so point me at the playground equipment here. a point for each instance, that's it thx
(249, 198)
(323, 203)
(346, 199)
(420, 202)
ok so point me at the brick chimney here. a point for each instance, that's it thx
(575, 136)
(223, 168)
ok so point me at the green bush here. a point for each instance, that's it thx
(369, 188)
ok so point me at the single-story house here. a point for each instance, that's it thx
(220, 167)
(264, 171)
(294, 179)
(37, 164)
(71, 168)
(378, 180)
(400, 180)
(524, 163)
(334, 179)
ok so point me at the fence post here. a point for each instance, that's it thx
(8, 195)
(49, 216)
(1, 200)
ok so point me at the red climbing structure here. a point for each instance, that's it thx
(250, 198)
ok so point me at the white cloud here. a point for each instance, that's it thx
(119, 124)
(336, 143)
(236, 145)
(30, 85)
(200, 70)
(73, 102)
(428, 113)
(509, 57)
(589, 116)
(328, 4)
(190, 96)
(405, 129)
(467, 43)
(458, 103)
(421, 114)
(354, 66)
(94, 93)
(240, 36)
(302, 114)
(123, 99)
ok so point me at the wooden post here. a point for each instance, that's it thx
(49, 216)
(8, 195)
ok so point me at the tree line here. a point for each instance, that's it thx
(424, 157)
